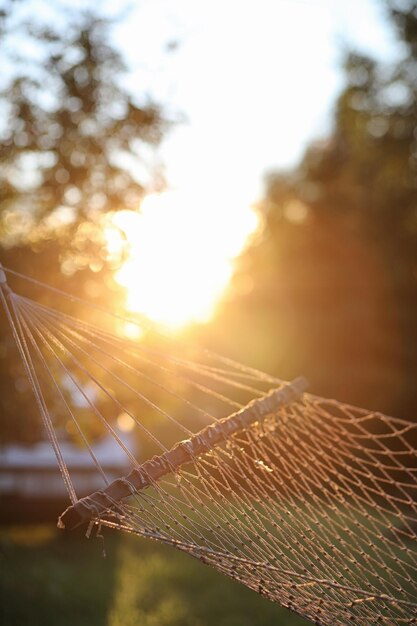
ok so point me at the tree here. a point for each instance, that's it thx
(69, 123)
(335, 267)
(68, 127)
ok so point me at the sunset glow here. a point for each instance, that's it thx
(180, 254)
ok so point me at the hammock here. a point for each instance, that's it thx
(308, 501)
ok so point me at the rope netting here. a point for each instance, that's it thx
(310, 502)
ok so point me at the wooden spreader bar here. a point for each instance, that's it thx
(91, 507)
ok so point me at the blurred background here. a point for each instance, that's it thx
(242, 173)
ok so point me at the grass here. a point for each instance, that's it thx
(52, 578)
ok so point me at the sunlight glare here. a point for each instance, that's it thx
(180, 254)
(125, 422)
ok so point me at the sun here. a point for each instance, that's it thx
(180, 254)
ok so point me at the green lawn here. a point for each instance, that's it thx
(52, 578)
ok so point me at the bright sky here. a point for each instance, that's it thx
(256, 80)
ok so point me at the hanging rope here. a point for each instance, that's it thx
(310, 502)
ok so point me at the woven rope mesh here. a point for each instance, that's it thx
(314, 509)
(313, 504)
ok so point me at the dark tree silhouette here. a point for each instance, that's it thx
(67, 127)
(335, 270)
(68, 124)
